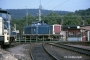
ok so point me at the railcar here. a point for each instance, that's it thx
(6, 38)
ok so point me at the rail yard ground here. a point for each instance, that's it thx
(19, 52)
(4, 55)
(36, 51)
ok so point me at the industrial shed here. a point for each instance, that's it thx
(76, 33)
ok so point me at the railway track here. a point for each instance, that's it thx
(66, 52)
(76, 49)
(38, 52)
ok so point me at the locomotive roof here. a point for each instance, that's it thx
(3, 11)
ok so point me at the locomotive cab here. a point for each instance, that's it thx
(5, 28)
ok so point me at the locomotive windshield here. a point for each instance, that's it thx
(6, 18)
(5, 15)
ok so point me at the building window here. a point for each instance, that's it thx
(71, 34)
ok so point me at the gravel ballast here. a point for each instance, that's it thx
(21, 52)
(4, 55)
(18, 52)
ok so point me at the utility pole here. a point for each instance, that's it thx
(40, 7)
(15, 31)
(9, 27)
(61, 22)
(26, 16)
(82, 23)
(15, 27)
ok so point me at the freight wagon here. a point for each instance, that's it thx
(42, 30)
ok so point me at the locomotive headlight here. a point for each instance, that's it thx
(5, 31)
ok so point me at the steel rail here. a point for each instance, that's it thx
(72, 48)
(49, 53)
(53, 57)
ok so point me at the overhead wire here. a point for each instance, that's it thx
(68, 16)
(47, 2)
(60, 4)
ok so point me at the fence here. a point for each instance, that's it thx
(25, 40)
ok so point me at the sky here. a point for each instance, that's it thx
(60, 5)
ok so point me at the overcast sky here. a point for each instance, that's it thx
(66, 5)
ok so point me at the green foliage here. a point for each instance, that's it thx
(52, 18)
(85, 14)
(87, 21)
(72, 19)
(20, 23)
(20, 13)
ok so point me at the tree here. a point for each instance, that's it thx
(52, 18)
(31, 19)
(72, 19)
(20, 23)
(87, 21)
(85, 14)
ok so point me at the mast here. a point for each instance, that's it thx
(40, 7)
(26, 16)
